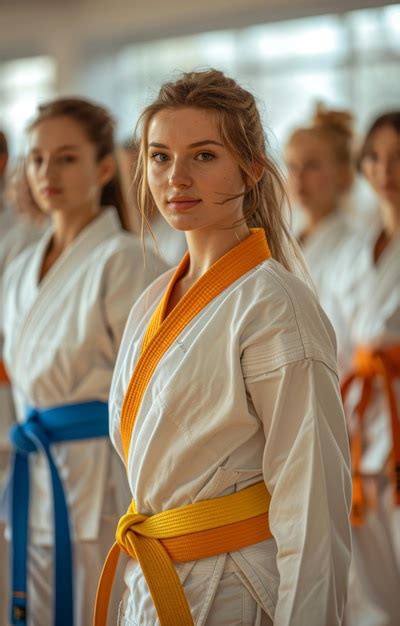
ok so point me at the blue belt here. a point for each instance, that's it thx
(43, 427)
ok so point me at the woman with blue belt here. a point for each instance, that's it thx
(66, 304)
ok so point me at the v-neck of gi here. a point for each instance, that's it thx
(86, 240)
(162, 330)
(226, 270)
(385, 256)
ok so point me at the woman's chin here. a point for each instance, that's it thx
(179, 221)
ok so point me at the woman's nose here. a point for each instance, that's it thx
(179, 176)
(46, 168)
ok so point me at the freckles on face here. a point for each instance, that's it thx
(192, 176)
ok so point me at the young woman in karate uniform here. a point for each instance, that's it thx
(225, 403)
(66, 302)
(368, 297)
(320, 166)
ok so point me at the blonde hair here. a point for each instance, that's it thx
(240, 127)
(335, 128)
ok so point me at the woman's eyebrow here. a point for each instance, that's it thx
(196, 144)
(59, 149)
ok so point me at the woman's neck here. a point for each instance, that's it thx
(391, 219)
(315, 219)
(206, 247)
(67, 228)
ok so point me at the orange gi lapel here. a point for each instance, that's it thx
(161, 333)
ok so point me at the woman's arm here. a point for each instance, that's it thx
(306, 471)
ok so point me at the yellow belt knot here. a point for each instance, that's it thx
(187, 533)
(128, 525)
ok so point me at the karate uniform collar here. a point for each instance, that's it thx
(163, 330)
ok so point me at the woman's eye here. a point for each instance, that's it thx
(371, 157)
(159, 157)
(313, 165)
(36, 160)
(68, 158)
(205, 156)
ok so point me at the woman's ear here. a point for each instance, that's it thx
(106, 169)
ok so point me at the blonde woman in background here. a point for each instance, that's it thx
(320, 165)
(225, 404)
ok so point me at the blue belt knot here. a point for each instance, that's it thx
(24, 437)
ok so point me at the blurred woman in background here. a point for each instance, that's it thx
(320, 167)
(66, 301)
(18, 229)
(368, 329)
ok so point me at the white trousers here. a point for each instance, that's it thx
(4, 577)
(232, 605)
(4, 554)
(374, 586)
(89, 557)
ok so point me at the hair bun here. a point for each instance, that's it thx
(337, 121)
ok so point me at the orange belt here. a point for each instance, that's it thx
(187, 533)
(4, 380)
(371, 365)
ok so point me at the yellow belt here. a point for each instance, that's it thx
(187, 533)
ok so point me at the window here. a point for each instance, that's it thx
(350, 61)
(23, 83)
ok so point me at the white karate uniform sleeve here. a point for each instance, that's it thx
(306, 471)
(127, 270)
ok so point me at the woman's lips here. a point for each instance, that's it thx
(182, 205)
(51, 191)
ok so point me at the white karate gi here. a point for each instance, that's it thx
(321, 249)
(15, 235)
(248, 392)
(61, 340)
(367, 304)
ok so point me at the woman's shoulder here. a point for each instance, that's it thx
(124, 247)
(120, 241)
(22, 261)
(150, 296)
(285, 319)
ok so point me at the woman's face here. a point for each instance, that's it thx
(63, 172)
(381, 165)
(316, 179)
(191, 174)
